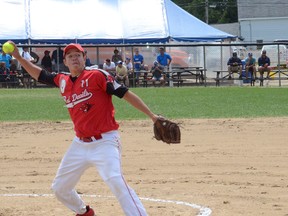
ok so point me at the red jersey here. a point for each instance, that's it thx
(89, 105)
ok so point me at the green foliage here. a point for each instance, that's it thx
(198, 102)
(219, 11)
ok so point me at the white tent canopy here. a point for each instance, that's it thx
(101, 21)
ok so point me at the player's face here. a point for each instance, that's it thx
(75, 61)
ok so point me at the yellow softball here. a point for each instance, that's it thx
(8, 47)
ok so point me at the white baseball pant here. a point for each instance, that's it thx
(105, 155)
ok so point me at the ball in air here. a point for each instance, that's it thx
(8, 47)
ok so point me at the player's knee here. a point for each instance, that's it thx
(56, 188)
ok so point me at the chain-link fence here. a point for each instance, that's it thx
(209, 56)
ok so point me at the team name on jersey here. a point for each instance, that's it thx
(75, 99)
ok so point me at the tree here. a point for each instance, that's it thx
(220, 11)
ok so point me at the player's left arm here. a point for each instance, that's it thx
(139, 104)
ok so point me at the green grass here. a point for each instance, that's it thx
(198, 102)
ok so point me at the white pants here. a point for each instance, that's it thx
(105, 156)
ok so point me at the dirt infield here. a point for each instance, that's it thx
(230, 166)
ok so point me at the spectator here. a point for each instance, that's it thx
(264, 65)
(35, 57)
(5, 58)
(129, 67)
(13, 66)
(57, 59)
(25, 75)
(250, 66)
(122, 73)
(234, 65)
(164, 59)
(157, 73)
(138, 61)
(128, 64)
(109, 67)
(116, 57)
(46, 61)
(35, 61)
(87, 62)
(13, 73)
(4, 74)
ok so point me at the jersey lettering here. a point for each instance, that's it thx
(76, 99)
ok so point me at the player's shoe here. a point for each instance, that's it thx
(89, 212)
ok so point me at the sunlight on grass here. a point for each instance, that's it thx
(198, 102)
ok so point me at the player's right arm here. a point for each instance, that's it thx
(31, 68)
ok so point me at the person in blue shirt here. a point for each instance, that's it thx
(250, 65)
(5, 58)
(164, 59)
(264, 64)
(138, 61)
(157, 71)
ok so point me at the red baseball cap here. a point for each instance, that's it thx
(73, 46)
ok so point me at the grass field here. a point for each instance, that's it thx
(199, 102)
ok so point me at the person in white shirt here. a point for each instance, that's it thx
(26, 78)
(109, 67)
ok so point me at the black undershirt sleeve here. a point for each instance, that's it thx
(121, 91)
(47, 78)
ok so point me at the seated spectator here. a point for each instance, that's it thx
(157, 73)
(250, 65)
(14, 81)
(122, 73)
(4, 74)
(13, 66)
(15, 73)
(129, 67)
(116, 57)
(164, 59)
(234, 65)
(128, 64)
(109, 67)
(264, 64)
(46, 61)
(5, 58)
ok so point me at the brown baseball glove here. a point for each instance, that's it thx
(167, 131)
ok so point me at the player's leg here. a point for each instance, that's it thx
(261, 71)
(229, 72)
(108, 163)
(69, 172)
(268, 72)
(162, 81)
(247, 68)
(153, 81)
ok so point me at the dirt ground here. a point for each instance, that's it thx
(223, 167)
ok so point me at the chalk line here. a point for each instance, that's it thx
(203, 211)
